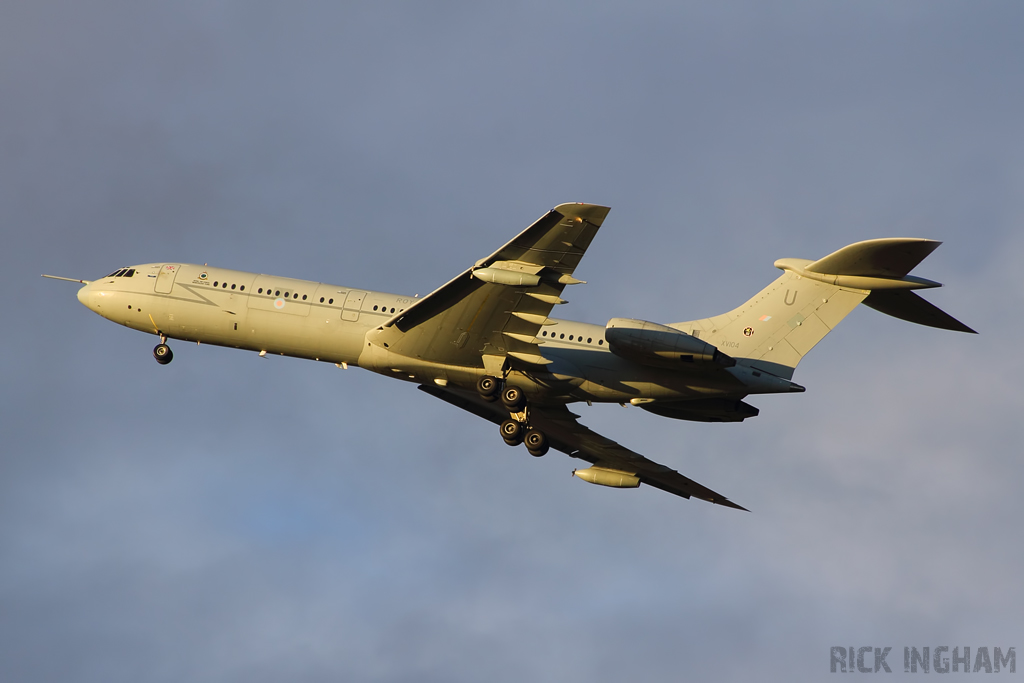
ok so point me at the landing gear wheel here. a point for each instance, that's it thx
(513, 398)
(512, 432)
(536, 442)
(162, 353)
(488, 388)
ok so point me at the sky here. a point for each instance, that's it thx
(230, 518)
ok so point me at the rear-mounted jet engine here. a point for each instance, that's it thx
(653, 344)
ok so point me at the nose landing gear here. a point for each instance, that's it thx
(162, 352)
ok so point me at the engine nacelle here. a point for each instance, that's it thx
(653, 344)
(703, 410)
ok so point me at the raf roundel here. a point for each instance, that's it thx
(279, 304)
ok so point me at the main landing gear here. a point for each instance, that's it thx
(488, 388)
(516, 429)
(162, 352)
(514, 433)
(513, 399)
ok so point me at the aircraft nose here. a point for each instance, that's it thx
(85, 296)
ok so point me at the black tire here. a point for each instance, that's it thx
(163, 354)
(488, 388)
(513, 398)
(512, 432)
(536, 442)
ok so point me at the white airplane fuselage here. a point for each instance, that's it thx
(276, 315)
(485, 341)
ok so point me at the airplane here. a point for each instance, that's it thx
(485, 342)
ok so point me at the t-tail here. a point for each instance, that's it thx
(775, 329)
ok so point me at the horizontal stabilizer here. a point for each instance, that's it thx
(907, 305)
(890, 257)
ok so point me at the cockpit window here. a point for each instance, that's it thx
(123, 272)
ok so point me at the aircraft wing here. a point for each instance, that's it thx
(569, 436)
(477, 315)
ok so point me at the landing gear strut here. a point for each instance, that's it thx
(162, 352)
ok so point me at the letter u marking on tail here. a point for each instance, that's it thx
(786, 299)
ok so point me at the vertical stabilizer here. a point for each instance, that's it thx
(780, 325)
(775, 329)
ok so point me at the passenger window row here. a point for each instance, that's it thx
(293, 295)
(269, 291)
(579, 338)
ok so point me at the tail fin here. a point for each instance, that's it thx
(782, 323)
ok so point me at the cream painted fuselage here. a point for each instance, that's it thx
(335, 324)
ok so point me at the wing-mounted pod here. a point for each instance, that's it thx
(604, 476)
(653, 344)
(519, 274)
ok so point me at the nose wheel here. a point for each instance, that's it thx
(163, 354)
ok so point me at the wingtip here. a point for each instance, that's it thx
(725, 502)
(960, 327)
